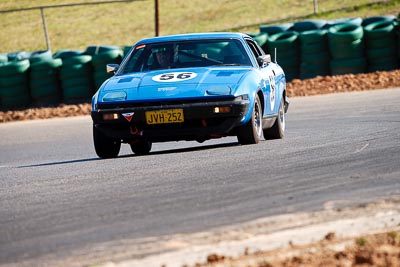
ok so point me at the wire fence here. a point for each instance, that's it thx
(43, 16)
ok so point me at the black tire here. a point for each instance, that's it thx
(251, 132)
(277, 131)
(141, 147)
(104, 146)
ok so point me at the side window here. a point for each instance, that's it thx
(133, 65)
(254, 48)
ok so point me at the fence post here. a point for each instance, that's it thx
(46, 34)
(315, 6)
(156, 18)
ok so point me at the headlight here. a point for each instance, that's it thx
(114, 96)
(242, 97)
(219, 90)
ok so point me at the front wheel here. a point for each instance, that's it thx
(251, 132)
(105, 147)
(277, 131)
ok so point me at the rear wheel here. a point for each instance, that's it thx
(141, 147)
(277, 131)
(105, 147)
(251, 132)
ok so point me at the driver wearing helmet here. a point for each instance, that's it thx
(163, 58)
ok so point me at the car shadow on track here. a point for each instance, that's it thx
(170, 151)
(58, 163)
(183, 150)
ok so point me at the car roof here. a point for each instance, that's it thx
(193, 36)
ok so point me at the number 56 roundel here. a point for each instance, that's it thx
(174, 76)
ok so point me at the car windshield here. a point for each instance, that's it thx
(183, 54)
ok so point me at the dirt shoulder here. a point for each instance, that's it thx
(364, 235)
(318, 85)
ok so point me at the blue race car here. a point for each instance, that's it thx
(189, 87)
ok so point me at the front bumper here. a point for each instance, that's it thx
(201, 122)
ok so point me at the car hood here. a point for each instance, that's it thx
(176, 83)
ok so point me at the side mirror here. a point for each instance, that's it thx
(112, 68)
(264, 59)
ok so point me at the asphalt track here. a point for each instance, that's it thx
(58, 199)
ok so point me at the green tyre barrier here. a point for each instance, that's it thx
(314, 48)
(65, 54)
(357, 21)
(379, 29)
(46, 90)
(398, 44)
(308, 25)
(17, 80)
(43, 74)
(347, 66)
(388, 18)
(283, 41)
(39, 56)
(354, 49)
(313, 36)
(316, 59)
(383, 64)
(106, 57)
(14, 67)
(39, 82)
(319, 69)
(286, 55)
(3, 59)
(19, 101)
(273, 29)
(308, 74)
(75, 60)
(18, 56)
(99, 49)
(291, 74)
(47, 100)
(344, 33)
(77, 94)
(72, 82)
(261, 39)
(78, 70)
(126, 50)
(46, 64)
(377, 53)
(380, 43)
(289, 63)
(13, 91)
